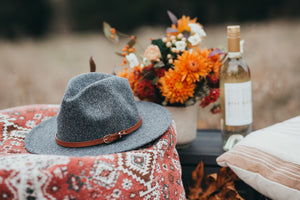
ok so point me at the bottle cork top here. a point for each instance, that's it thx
(233, 31)
(233, 38)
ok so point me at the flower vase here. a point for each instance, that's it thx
(186, 124)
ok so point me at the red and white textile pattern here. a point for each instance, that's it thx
(153, 172)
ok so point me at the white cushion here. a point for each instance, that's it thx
(269, 160)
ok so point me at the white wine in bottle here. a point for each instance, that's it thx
(235, 93)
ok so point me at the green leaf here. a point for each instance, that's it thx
(155, 80)
(159, 64)
(150, 75)
(158, 42)
(164, 50)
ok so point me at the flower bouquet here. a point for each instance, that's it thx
(173, 70)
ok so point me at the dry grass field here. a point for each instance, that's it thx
(37, 71)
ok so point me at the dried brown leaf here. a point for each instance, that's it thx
(195, 190)
(198, 173)
(194, 193)
(228, 192)
(215, 197)
(238, 197)
(218, 186)
(92, 65)
(211, 179)
(225, 175)
(131, 42)
(209, 190)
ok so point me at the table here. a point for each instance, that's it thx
(206, 147)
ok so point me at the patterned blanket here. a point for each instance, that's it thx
(153, 172)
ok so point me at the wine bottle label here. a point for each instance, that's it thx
(238, 104)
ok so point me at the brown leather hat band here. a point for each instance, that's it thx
(106, 139)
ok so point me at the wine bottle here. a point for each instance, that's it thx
(235, 93)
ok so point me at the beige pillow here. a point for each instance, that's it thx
(269, 160)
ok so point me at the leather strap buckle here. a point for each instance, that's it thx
(107, 139)
(120, 134)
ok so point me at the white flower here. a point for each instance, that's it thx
(202, 33)
(169, 44)
(173, 49)
(180, 35)
(180, 45)
(195, 39)
(132, 59)
(146, 61)
(197, 29)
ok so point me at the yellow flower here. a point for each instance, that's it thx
(174, 89)
(192, 65)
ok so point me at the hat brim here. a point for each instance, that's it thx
(156, 121)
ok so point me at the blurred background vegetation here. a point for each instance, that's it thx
(39, 17)
(44, 43)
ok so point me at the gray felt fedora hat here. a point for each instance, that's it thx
(98, 115)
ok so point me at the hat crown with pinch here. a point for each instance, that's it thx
(96, 105)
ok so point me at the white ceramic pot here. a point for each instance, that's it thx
(186, 124)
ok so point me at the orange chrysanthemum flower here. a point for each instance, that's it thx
(124, 73)
(215, 64)
(183, 24)
(174, 89)
(134, 76)
(192, 65)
